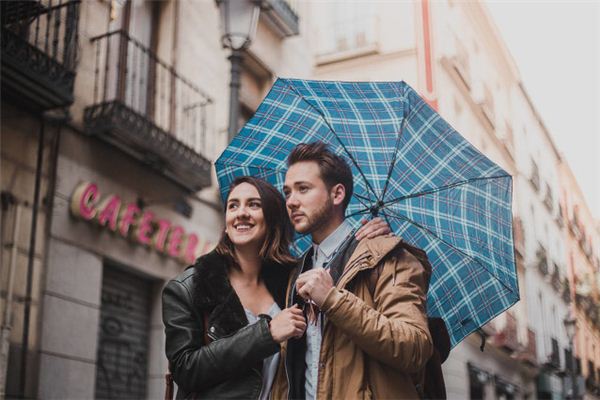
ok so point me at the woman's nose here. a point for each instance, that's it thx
(243, 210)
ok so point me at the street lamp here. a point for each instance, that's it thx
(239, 19)
(570, 325)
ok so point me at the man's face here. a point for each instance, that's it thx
(309, 202)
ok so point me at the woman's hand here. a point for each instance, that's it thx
(287, 324)
(373, 228)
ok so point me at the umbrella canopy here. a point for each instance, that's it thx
(434, 188)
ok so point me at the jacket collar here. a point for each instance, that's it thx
(212, 286)
(370, 252)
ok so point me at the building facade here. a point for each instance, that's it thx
(112, 112)
(583, 258)
(453, 55)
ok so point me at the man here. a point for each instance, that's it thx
(367, 334)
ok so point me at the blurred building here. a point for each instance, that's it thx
(112, 112)
(583, 255)
(452, 53)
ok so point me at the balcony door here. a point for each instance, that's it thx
(138, 20)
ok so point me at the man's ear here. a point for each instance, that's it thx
(338, 194)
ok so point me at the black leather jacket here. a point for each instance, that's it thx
(230, 366)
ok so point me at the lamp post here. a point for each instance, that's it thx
(239, 19)
(570, 325)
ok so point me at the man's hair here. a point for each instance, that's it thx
(333, 168)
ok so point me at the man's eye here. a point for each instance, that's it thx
(303, 189)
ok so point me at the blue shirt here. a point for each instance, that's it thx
(322, 254)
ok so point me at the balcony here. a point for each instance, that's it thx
(534, 179)
(39, 52)
(560, 217)
(591, 383)
(575, 226)
(528, 353)
(555, 280)
(554, 357)
(519, 236)
(566, 291)
(462, 64)
(281, 16)
(146, 109)
(506, 338)
(548, 200)
(542, 260)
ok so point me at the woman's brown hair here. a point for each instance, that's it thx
(275, 248)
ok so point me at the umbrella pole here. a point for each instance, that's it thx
(236, 59)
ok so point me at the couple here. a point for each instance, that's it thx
(346, 321)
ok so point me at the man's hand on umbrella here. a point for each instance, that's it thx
(314, 285)
(373, 228)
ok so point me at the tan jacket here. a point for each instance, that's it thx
(373, 347)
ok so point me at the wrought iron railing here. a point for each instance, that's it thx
(39, 40)
(519, 235)
(131, 75)
(507, 337)
(49, 27)
(535, 176)
(554, 358)
(531, 343)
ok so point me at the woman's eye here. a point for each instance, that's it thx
(231, 206)
(255, 204)
(303, 189)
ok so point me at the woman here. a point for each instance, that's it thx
(243, 280)
(223, 318)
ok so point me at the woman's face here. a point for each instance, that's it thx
(244, 218)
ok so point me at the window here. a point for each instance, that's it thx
(350, 26)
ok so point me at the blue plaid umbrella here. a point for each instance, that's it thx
(434, 188)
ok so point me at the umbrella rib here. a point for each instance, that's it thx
(362, 200)
(335, 135)
(403, 218)
(442, 188)
(393, 163)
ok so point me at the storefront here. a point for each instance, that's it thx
(119, 232)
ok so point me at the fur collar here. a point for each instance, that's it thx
(214, 294)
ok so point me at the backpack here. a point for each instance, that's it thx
(433, 386)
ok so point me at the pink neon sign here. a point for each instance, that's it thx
(141, 226)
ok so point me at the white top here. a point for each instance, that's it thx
(270, 363)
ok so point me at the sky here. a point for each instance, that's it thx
(556, 45)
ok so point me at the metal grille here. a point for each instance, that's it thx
(123, 336)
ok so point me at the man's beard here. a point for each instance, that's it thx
(318, 218)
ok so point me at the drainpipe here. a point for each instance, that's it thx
(31, 256)
(7, 200)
